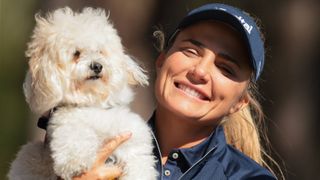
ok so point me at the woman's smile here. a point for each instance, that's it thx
(192, 92)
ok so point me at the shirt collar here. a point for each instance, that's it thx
(195, 153)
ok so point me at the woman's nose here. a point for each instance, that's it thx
(200, 73)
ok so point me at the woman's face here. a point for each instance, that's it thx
(204, 75)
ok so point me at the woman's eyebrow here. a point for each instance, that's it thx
(195, 42)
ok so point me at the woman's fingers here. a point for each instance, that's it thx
(109, 172)
(110, 146)
(100, 170)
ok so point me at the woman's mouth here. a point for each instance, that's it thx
(192, 92)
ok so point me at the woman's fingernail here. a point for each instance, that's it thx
(127, 134)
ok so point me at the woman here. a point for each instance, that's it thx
(205, 77)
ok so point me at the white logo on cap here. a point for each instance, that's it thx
(245, 24)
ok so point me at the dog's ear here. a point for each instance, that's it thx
(136, 74)
(42, 86)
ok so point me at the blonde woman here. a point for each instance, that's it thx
(203, 128)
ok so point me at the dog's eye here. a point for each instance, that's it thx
(76, 54)
(103, 52)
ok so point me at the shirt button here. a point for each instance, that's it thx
(175, 155)
(167, 173)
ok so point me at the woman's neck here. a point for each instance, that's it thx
(178, 132)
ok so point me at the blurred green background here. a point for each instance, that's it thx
(289, 85)
(15, 27)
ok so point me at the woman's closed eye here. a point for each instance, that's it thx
(190, 52)
(227, 70)
(228, 65)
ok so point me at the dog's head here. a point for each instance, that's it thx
(78, 58)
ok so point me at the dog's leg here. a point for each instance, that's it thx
(33, 161)
(74, 148)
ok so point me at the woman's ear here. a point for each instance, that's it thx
(160, 60)
(242, 102)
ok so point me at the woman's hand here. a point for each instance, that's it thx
(101, 171)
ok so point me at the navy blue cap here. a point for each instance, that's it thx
(239, 20)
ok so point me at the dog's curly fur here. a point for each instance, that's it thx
(77, 65)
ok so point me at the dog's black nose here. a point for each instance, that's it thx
(96, 67)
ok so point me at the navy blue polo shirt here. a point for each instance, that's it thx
(211, 159)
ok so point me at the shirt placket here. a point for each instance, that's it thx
(171, 169)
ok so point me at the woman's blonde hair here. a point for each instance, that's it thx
(244, 129)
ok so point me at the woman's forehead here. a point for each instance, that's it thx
(212, 30)
(218, 37)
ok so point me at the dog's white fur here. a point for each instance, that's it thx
(91, 107)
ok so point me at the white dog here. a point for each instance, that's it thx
(77, 65)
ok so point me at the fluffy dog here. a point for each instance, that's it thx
(77, 66)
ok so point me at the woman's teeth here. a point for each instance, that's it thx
(191, 91)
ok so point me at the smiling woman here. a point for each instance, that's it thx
(204, 88)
